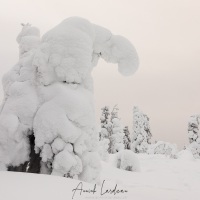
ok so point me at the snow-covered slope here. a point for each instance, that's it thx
(160, 178)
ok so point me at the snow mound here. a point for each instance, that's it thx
(185, 155)
(127, 160)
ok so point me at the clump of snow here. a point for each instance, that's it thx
(67, 52)
(127, 160)
(46, 153)
(58, 145)
(81, 144)
(116, 49)
(28, 39)
(67, 164)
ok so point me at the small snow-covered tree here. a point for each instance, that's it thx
(127, 138)
(194, 137)
(193, 128)
(111, 131)
(141, 131)
(104, 135)
(116, 137)
(104, 123)
(164, 148)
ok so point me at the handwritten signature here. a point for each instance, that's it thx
(114, 191)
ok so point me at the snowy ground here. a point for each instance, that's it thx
(160, 178)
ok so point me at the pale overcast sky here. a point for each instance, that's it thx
(166, 34)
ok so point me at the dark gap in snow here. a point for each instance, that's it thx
(31, 166)
(34, 163)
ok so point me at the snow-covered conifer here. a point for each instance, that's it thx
(104, 135)
(127, 138)
(116, 136)
(194, 137)
(104, 123)
(111, 135)
(141, 131)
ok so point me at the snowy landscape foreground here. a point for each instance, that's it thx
(161, 178)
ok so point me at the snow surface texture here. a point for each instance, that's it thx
(161, 178)
(50, 92)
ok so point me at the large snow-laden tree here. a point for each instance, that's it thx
(48, 94)
(141, 131)
(194, 137)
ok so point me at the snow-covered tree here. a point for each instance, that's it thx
(104, 135)
(19, 106)
(164, 148)
(127, 138)
(193, 128)
(104, 123)
(111, 131)
(194, 135)
(49, 94)
(115, 128)
(141, 131)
